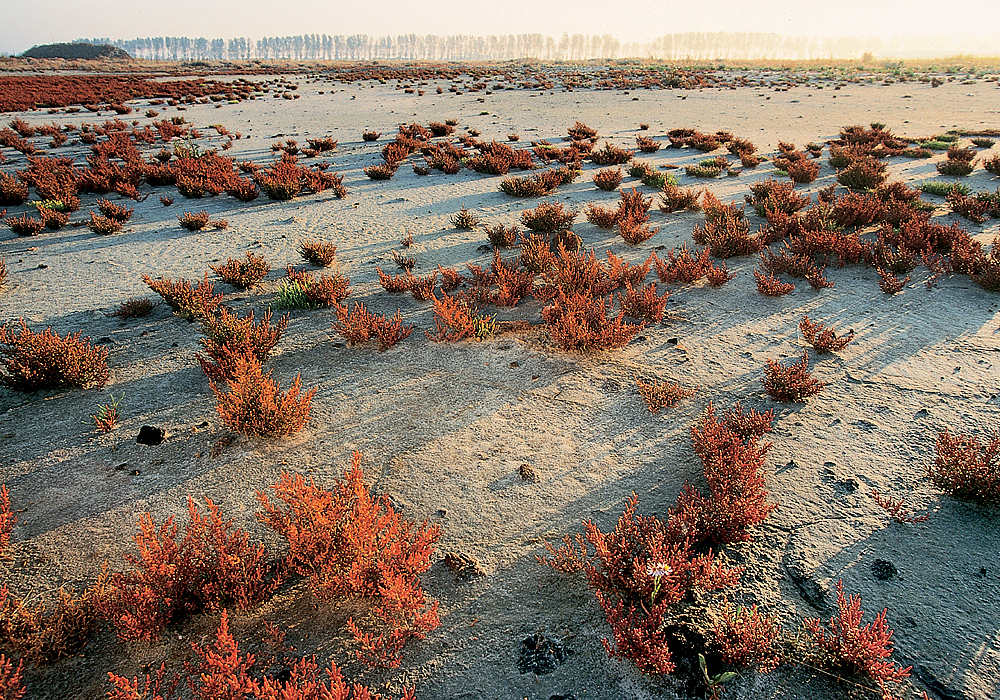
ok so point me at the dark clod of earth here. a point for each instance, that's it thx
(527, 473)
(541, 655)
(883, 570)
(148, 435)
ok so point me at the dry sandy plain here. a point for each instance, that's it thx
(444, 427)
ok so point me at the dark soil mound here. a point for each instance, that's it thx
(76, 51)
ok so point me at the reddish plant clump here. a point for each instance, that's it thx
(358, 325)
(134, 307)
(194, 221)
(770, 285)
(37, 361)
(347, 542)
(747, 637)
(896, 509)
(791, 382)
(7, 520)
(856, 650)
(24, 225)
(230, 339)
(243, 273)
(644, 303)
(967, 468)
(581, 323)
(213, 566)
(10, 679)
(252, 403)
(660, 395)
(889, 283)
(187, 302)
(823, 339)
(548, 217)
(318, 253)
(608, 179)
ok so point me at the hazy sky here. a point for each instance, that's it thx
(26, 24)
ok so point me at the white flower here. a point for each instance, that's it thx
(657, 570)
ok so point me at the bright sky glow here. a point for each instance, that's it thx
(26, 24)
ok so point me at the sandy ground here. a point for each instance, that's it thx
(444, 427)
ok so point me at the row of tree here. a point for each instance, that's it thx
(687, 45)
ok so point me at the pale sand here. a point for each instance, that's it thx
(444, 427)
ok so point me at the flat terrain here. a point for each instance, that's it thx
(444, 427)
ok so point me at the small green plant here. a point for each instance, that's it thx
(292, 295)
(108, 414)
(715, 682)
(943, 189)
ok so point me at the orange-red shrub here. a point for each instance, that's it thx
(684, 265)
(889, 283)
(243, 273)
(254, 405)
(608, 179)
(823, 339)
(610, 155)
(791, 382)
(213, 566)
(644, 303)
(318, 253)
(186, 301)
(601, 216)
(456, 318)
(230, 338)
(7, 520)
(856, 650)
(747, 638)
(581, 323)
(733, 467)
(193, 221)
(24, 225)
(10, 679)
(621, 574)
(348, 542)
(359, 325)
(661, 394)
(673, 198)
(36, 361)
(770, 285)
(967, 468)
(548, 217)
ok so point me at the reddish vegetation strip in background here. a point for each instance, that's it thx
(19, 93)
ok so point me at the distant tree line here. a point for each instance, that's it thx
(576, 47)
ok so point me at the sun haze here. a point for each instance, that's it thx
(632, 22)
